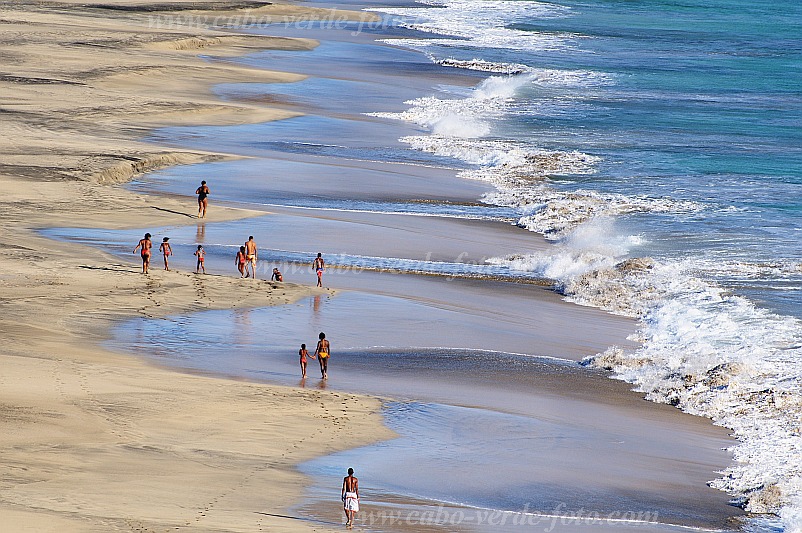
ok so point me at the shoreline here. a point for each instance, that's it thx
(163, 303)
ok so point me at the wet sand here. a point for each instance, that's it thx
(560, 439)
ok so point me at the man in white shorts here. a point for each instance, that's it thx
(350, 497)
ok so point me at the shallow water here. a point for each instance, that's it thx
(551, 451)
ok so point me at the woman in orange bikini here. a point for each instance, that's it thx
(323, 352)
(145, 245)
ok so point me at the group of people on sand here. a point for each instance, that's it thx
(322, 354)
(245, 259)
(145, 247)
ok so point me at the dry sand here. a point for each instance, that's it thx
(91, 441)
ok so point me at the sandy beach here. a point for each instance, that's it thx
(97, 441)
(92, 441)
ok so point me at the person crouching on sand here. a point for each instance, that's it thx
(276, 275)
(165, 249)
(201, 254)
(145, 246)
(240, 261)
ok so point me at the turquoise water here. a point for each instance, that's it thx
(700, 101)
(669, 130)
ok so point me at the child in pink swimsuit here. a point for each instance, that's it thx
(164, 248)
(303, 354)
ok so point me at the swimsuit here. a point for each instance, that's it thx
(323, 355)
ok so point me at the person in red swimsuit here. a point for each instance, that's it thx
(144, 246)
(201, 253)
(240, 261)
(164, 248)
(303, 354)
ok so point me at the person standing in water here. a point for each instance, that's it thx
(350, 497)
(145, 245)
(201, 253)
(250, 257)
(323, 352)
(303, 354)
(319, 265)
(240, 261)
(165, 249)
(203, 201)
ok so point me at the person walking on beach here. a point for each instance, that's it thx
(350, 497)
(319, 265)
(165, 249)
(303, 354)
(240, 261)
(323, 352)
(144, 246)
(250, 257)
(201, 254)
(203, 201)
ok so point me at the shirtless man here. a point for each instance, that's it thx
(350, 497)
(323, 352)
(145, 246)
(319, 265)
(202, 192)
(250, 257)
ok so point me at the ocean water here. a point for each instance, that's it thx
(669, 131)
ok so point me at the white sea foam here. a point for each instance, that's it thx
(462, 117)
(705, 350)
(520, 176)
(481, 65)
(482, 23)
